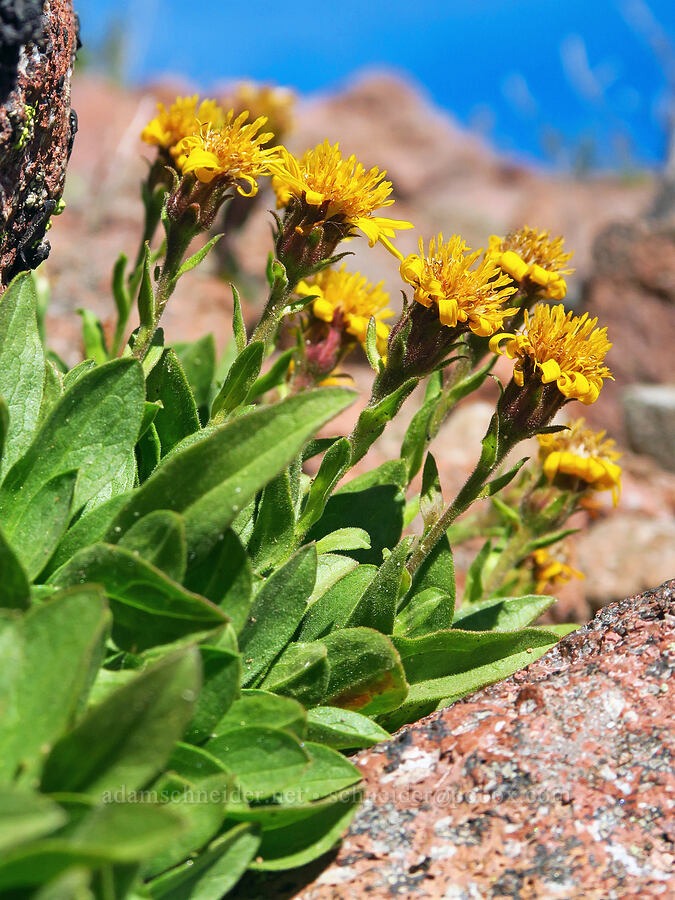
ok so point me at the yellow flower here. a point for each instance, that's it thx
(532, 254)
(341, 190)
(558, 347)
(180, 120)
(352, 296)
(234, 152)
(582, 453)
(449, 278)
(275, 103)
(549, 570)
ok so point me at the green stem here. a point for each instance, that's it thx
(468, 494)
(271, 315)
(178, 240)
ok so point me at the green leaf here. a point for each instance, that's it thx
(452, 652)
(328, 773)
(177, 418)
(92, 428)
(343, 729)
(73, 376)
(428, 611)
(417, 435)
(373, 419)
(46, 668)
(496, 484)
(212, 479)
(503, 613)
(36, 533)
(275, 375)
(93, 338)
(366, 674)
(240, 379)
(14, 588)
(473, 667)
(300, 842)
(126, 740)
(148, 608)
(193, 763)
(214, 872)
(273, 535)
(89, 529)
(238, 327)
(261, 708)
(344, 539)
(148, 454)
(22, 365)
(276, 613)
(373, 354)
(202, 809)
(198, 361)
(300, 672)
(376, 607)
(26, 816)
(262, 759)
(333, 466)
(4, 427)
(159, 539)
(545, 540)
(221, 673)
(224, 576)
(336, 604)
(431, 495)
(192, 261)
(126, 832)
(147, 305)
(375, 502)
(330, 569)
(473, 588)
(52, 390)
(437, 571)
(119, 288)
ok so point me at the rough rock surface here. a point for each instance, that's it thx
(556, 783)
(37, 124)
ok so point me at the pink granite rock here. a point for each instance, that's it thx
(556, 783)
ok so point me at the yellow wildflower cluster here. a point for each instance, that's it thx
(274, 103)
(184, 117)
(448, 277)
(558, 347)
(582, 453)
(342, 189)
(531, 254)
(549, 570)
(351, 296)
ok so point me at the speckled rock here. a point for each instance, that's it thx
(556, 783)
(37, 48)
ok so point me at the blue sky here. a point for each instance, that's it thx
(531, 74)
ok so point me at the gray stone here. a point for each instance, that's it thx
(649, 411)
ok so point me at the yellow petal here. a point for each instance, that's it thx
(323, 309)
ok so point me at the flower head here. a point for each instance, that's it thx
(582, 453)
(531, 254)
(234, 152)
(559, 347)
(274, 103)
(549, 570)
(449, 279)
(337, 190)
(182, 119)
(352, 298)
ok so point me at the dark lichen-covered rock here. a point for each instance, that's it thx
(38, 40)
(556, 783)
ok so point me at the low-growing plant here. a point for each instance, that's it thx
(196, 628)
